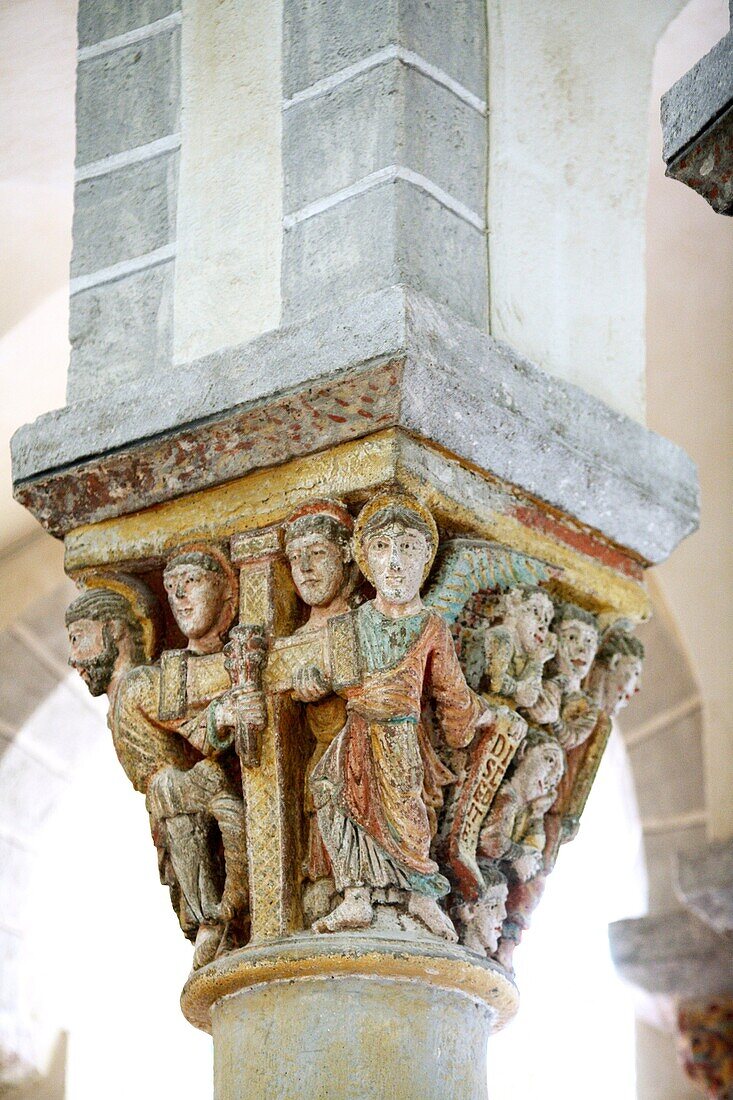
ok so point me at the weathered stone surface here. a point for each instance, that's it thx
(391, 233)
(401, 1039)
(674, 955)
(707, 165)
(467, 392)
(661, 849)
(101, 19)
(704, 883)
(321, 37)
(391, 114)
(128, 97)
(124, 214)
(125, 325)
(698, 98)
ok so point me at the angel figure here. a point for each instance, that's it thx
(378, 785)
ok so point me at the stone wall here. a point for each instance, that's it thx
(127, 114)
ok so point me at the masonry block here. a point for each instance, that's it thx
(128, 97)
(124, 326)
(124, 214)
(391, 114)
(322, 36)
(101, 19)
(393, 233)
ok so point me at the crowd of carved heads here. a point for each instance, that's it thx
(444, 706)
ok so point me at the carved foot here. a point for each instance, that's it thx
(208, 941)
(432, 916)
(354, 912)
(318, 899)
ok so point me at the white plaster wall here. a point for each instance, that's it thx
(37, 81)
(690, 385)
(227, 282)
(569, 89)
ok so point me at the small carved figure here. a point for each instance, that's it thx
(159, 731)
(317, 543)
(479, 922)
(513, 835)
(378, 784)
(518, 649)
(615, 676)
(562, 705)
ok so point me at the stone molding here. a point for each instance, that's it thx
(452, 383)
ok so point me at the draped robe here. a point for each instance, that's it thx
(379, 784)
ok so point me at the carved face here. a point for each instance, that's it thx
(489, 915)
(577, 643)
(397, 557)
(621, 679)
(319, 567)
(196, 596)
(93, 653)
(533, 619)
(540, 771)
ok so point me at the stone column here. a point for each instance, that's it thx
(683, 961)
(360, 584)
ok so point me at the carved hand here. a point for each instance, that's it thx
(546, 710)
(247, 703)
(309, 685)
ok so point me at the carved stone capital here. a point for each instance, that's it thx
(705, 1045)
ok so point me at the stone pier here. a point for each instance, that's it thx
(359, 580)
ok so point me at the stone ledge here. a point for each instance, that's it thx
(698, 98)
(362, 953)
(704, 883)
(456, 386)
(673, 955)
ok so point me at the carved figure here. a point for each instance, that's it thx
(317, 543)
(518, 649)
(615, 676)
(202, 592)
(562, 705)
(111, 630)
(379, 783)
(158, 728)
(513, 835)
(479, 922)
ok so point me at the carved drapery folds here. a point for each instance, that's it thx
(350, 722)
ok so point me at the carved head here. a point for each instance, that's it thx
(318, 547)
(111, 630)
(528, 611)
(539, 767)
(577, 641)
(395, 542)
(616, 673)
(202, 592)
(480, 921)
